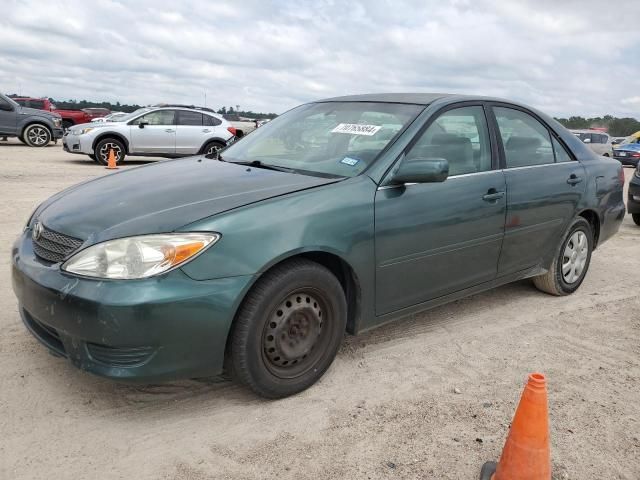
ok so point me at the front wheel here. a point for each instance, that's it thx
(109, 145)
(288, 330)
(37, 135)
(636, 218)
(571, 262)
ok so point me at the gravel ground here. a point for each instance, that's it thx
(387, 408)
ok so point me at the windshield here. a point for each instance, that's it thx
(128, 116)
(333, 138)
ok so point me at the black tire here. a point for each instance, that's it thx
(101, 151)
(21, 138)
(555, 282)
(605, 155)
(36, 135)
(93, 157)
(636, 218)
(67, 124)
(288, 329)
(211, 148)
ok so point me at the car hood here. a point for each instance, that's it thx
(163, 197)
(94, 125)
(41, 113)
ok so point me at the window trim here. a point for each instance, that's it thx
(454, 106)
(552, 134)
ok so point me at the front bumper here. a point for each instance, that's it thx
(77, 144)
(57, 133)
(633, 199)
(161, 328)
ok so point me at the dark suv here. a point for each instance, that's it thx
(35, 128)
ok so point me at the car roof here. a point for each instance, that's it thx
(414, 98)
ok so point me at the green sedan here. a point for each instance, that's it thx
(339, 215)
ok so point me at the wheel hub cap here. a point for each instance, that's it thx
(575, 257)
(293, 330)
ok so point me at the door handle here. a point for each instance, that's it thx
(574, 179)
(169, 130)
(206, 130)
(492, 195)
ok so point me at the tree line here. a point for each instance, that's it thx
(124, 107)
(616, 127)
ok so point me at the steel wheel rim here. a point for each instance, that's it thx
(213, 149)
(38, 136)
(296, 333)
(104, 151)
(574, 257)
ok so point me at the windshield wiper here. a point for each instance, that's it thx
(266, 166)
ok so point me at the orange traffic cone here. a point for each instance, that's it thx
(112, 161)
(526, 454)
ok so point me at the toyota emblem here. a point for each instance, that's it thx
(37, 231)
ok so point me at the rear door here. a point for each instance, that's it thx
(544, 185)
(154, 132)
(191, 133)
(8, 117)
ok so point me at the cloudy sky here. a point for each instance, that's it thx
(564, 57)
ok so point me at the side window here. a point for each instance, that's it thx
(526, 141)
(461, 137)
(38, 104)
(210, 121)
(561, 152)
(186, 117)
(159, 117)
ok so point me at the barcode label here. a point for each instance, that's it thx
(356, 129)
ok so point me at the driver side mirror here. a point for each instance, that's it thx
(6, 107)
(142, 124)
(422, 170)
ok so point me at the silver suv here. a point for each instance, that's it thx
(596, 140)
(167, 131)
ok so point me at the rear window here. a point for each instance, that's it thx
(210, 121)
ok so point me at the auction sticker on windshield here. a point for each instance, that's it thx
(356, 129)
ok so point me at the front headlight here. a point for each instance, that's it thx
(138, 257)
(81, 131)
(57, 122)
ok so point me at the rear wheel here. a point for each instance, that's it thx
(288, 329)
(571, 262)
(104, 146)
(37, 135)
(636, 218)
(212, 148)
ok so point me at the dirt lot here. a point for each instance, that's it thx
(386, 409)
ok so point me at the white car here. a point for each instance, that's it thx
(243, 126)
(596, 140)
(112, 117)
(168, 131)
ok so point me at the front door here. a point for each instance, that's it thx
(433, 239)
(544, 186)
(8, 117)
(154, 132)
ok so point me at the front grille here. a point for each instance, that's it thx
(53, 246)
(120, 356)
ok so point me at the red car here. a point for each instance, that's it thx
(69, 117)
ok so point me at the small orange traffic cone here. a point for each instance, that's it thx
(112, 161)
(526, 454)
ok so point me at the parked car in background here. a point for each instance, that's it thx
(112, 117)
(633, 199)
(152, 131)
(69, 117)
(596, 140)
(341, 214)
(242, 125)
(31, 126)
(617, 140)
(627, 153)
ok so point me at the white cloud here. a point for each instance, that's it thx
(562, 57)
